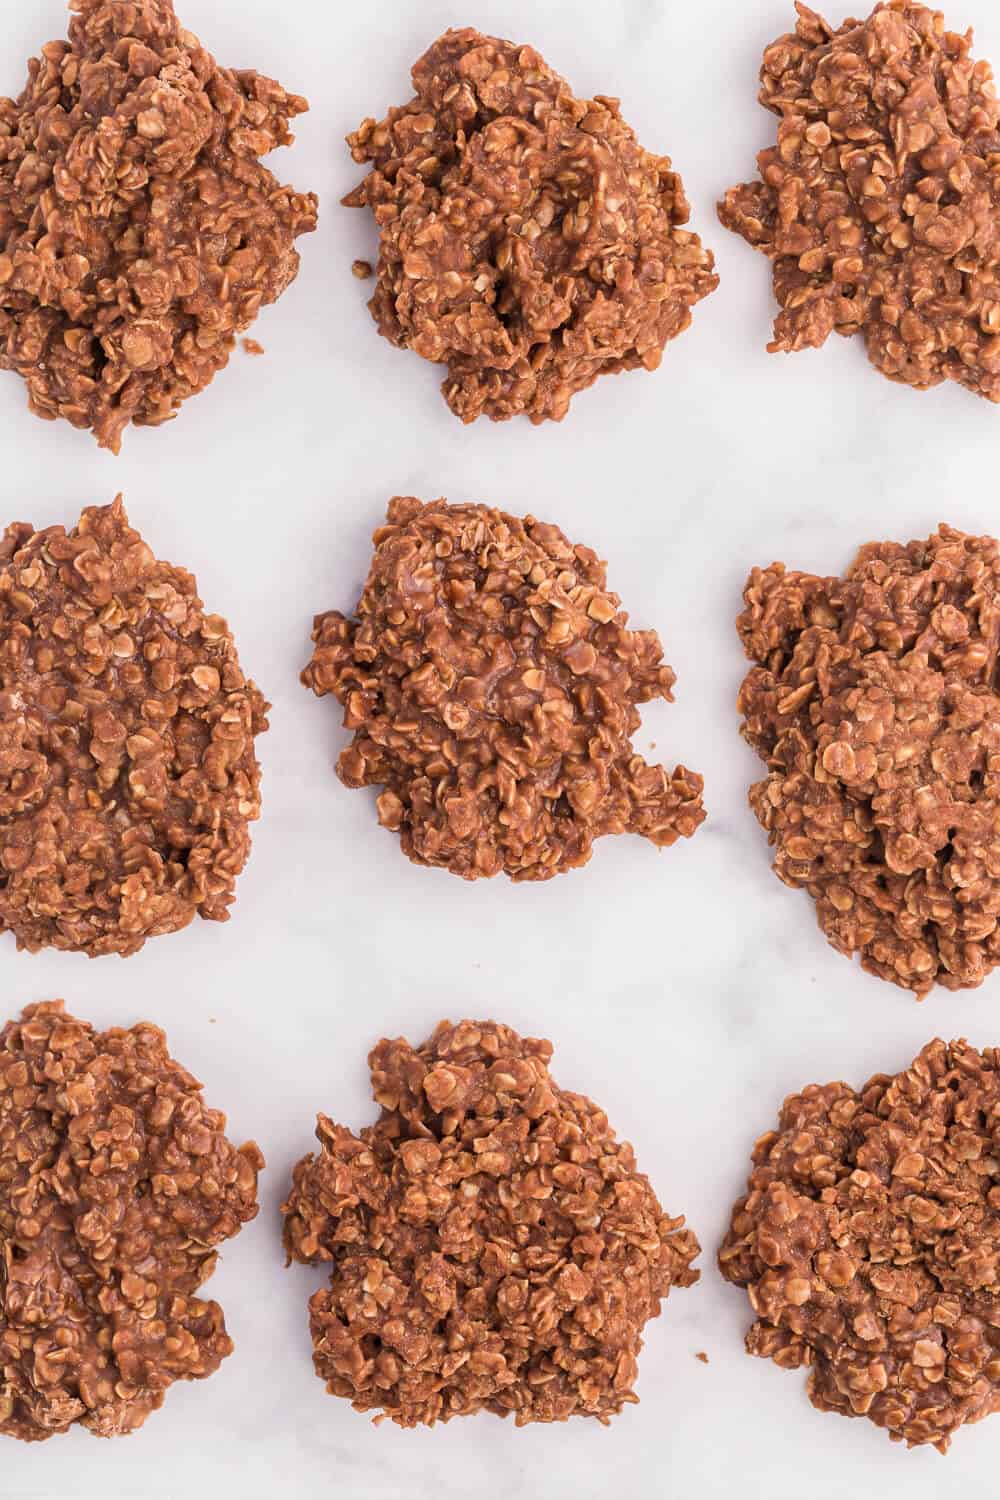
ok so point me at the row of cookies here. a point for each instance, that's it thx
(491, 684)
(490, 1244)
(527, 241)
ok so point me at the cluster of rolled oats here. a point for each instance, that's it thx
(875, 703)
(117, 1185)
(527, 240)
(127, 767)
(492, 685)
(139, 232)
(880, 204)
(869, 1244)
(491, 1244)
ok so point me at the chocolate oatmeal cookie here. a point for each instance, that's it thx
(139, 232)
(875, 704)
(492, 684)
(491, 1245)
(117, 1185)
(880, 204)
(527, 241)
(868, 1243)
(127, 769)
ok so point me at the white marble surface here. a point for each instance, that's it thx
(688, 991)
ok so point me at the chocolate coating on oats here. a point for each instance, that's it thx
(491, 683)
(127, 767)
(868, 1242)
(527, 240)
(880, 204)
(876, 706)
(492, 1246)
(139, 232)
(117, 1185)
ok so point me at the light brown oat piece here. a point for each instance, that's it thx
(875, 704)
(127, 769)
(868, 1243)
(139, 232)
(491, 1245)
(251, 346)
(492, 684)
(880, 204)
(117, 1185)
(362, 269)
(527, 240)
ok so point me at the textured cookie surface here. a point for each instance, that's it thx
(117, 1185)
(491, 1244)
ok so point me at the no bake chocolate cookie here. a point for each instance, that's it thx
(491, 1245)
(868, 1243)
(526, 239)
(492, 683)
(875, 704)
(117, 1186)
(879, 206)
(128, 776)
(139, 231)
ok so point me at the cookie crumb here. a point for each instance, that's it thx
(362, 269)
(251, 346)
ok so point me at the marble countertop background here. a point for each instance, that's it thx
(687, 991)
